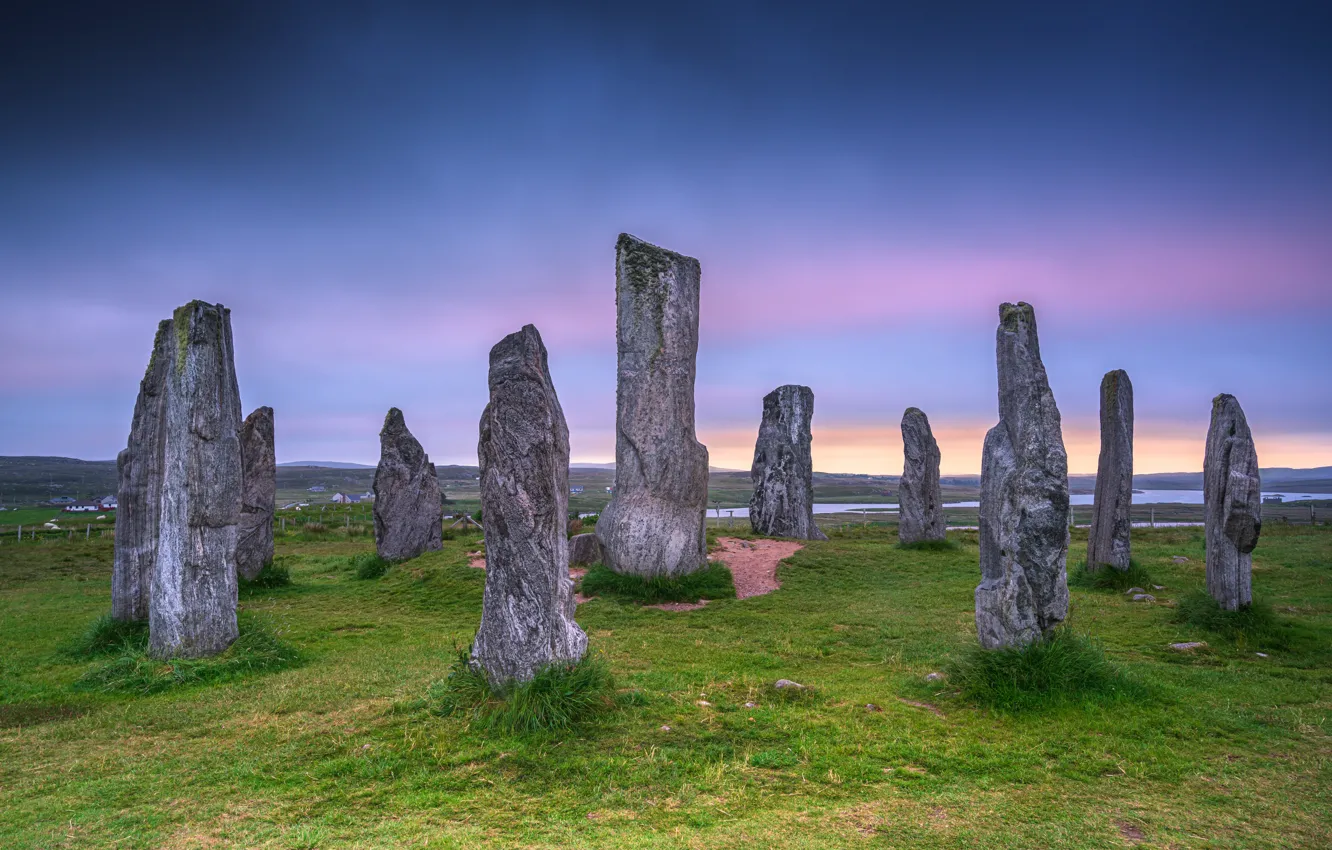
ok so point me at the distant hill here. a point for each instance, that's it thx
(328, 464)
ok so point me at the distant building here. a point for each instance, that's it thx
(610, 489)
(289, 506)
(108, 503)
(340, 498)
(575, 490)
(62, 500)
(318, 488)
(1273, 499)
(82, 507)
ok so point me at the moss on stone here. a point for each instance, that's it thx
(181, 319)
(1013, 315)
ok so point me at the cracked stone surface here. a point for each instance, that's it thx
(1232, 504)
(1108, 541)
(919, 496)
(409, 515)
(783, 470)
(254, 542)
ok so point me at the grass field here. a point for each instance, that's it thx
(1219, 748)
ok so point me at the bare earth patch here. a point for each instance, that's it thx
(753, 563)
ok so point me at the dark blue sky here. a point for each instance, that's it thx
(381, 191)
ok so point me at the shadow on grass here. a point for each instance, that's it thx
(931, 546)
(1255, 626)
(274, 575)
(559, 697)
(106, 636)
(131, 670)
(1108, 578)
(1060, 669)
(712, 582)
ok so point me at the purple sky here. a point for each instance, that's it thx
(381, 191)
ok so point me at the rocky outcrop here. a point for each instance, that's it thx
(920, 516)
(653, 525)
(409, 515)
(783, 470)
(584, 550)
(139, 492)
(193, 608)
(1111, 527)
(1232, 504)
(1024, 496)
(527, 616)
(254, 543)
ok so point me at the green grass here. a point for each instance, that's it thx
(1227, 751)
(368, 565)
(106, 636)
(274, 574)
(1253, 626)
(560, 697)
(930, 546)
(1061, 668)
(712, 582)
(1109, 578)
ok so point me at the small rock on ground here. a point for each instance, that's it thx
(787, 683)
(1189, 646)
(1143, 597)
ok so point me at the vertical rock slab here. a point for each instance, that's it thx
(1232, 504)
(584, 550)
(920, 515)
(653, 525)
(409, 515)
(1111, 528)
(254, 543)
(1024, 496)
(783, 470)
(527, 616)
(139, 491)
(193, 610)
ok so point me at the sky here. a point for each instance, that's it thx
(381, 191)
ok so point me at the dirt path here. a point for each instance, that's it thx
(753, 563)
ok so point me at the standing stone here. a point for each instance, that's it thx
(254, 543)
(1024, 496)
(653, 525)
(527, 616)
(409, 515)
(783, 470)
(1232, 496)
(139, 492)
(193, 610)
(920, 515)
(1111, 528)
(584, 550)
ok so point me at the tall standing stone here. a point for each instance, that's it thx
(920, 517)
(1024, 496)
(139, 492)
(527, 616)
(1232, 496)
(409, 514)
(254, 544)
(783, 470)
(1111, 527)
(193, 610)
(654, 525)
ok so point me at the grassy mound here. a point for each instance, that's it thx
(1253, 626)
(369, 565)
(712, 582)
(274, 574)
(559, 697)
(257, 650)
(1064, 667)
(106, 636)
(931, 546)
(1109, 578)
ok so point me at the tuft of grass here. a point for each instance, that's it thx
(712, 582)
(1251, 627)
(774, 759)
(107, 636)
(1109, 578)
(369, 565)
(1063, 667)
(133, 671)
(559, 697)
(931, 546)
(274, 574)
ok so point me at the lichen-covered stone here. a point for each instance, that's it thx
(783, 469)
(920, 516)
(1024, 496)
(1232, 504)
(584, 550)
(139, 491)
(527, 615)
(409, 514)
(254, 543)
(653, 525)
(1108, 544)
(193, 608)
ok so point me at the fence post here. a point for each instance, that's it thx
(1153, 517)
(20, 534)
(87, 535)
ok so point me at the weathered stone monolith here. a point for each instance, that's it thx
(1024, 496)
(193, 608)
(1111, 527)
(139, 492)
(409, 515)
(920, 516)
(783, 470)
(1232, 510)
(527, 615)
(584, 550)
(254, 543)
(653, 525)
